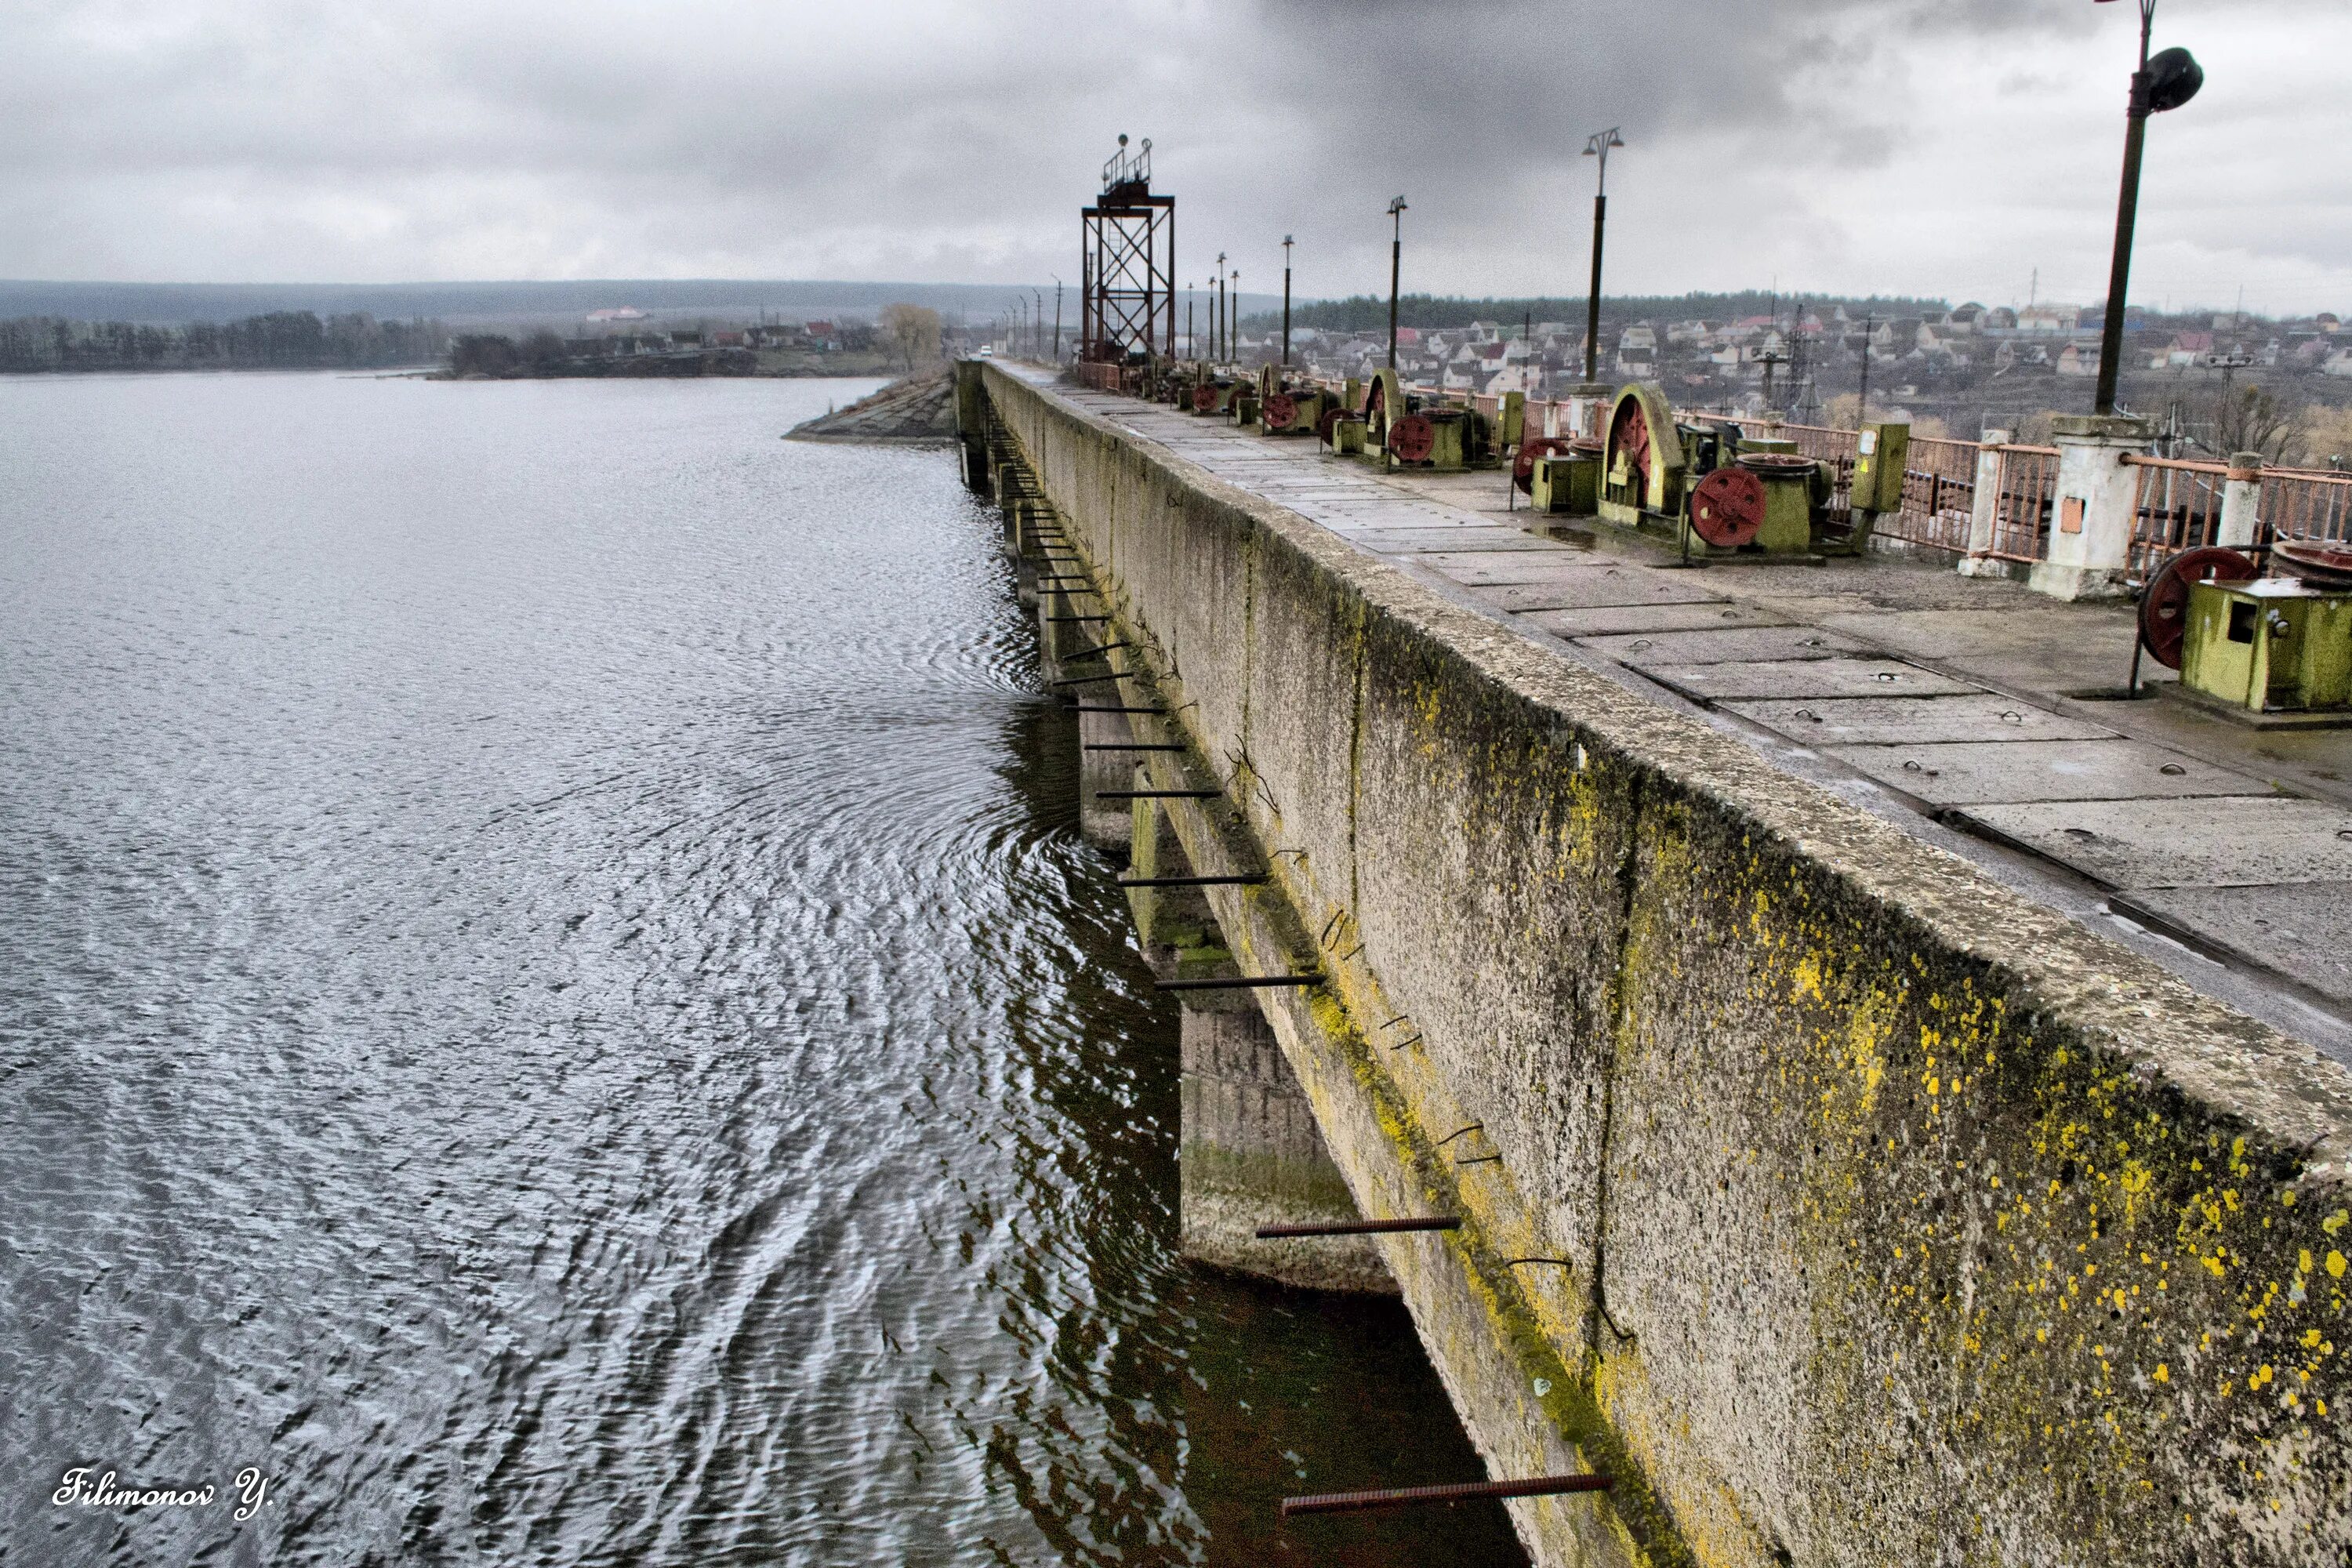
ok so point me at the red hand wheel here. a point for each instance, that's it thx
(1726, 510)
(1414, 438)
(2164, 608)
(1523, 467)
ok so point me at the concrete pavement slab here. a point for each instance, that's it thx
(2224, 841)
(1437, 540)
(2300, 929)
(1726, 644)
(1602, 620)
(1585, 583)
(1974, 773)
(1917, 720)
(1804, 677)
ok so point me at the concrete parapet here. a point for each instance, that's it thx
(1847, 1207)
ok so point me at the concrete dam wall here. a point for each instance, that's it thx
(1842, 1205)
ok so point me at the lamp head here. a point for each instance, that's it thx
(2173, 78)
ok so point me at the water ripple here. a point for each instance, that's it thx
(551, 1000)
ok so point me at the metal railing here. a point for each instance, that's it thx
(1939, 491)
(2176, 507)
(2023, 491)
(2306, 503)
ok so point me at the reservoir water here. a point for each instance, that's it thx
(552, 1009)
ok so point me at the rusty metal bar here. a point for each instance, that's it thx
(1098, 649)
(1157, 794)
(1402, 1497)
(1244, 881)
(1056, 619)
(1361, 1227)
(1132, 746)
(1313, 977)
(2187, 465)
(1090, 679)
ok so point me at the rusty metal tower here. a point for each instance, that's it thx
(1128, 261)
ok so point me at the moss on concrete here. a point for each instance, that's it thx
(1901, 1220)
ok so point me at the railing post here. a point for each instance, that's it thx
(2241, 501)
(1984, 512)
(2098, 495)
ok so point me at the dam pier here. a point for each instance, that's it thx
(1840, 1191)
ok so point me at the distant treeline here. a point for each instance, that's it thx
(282, 340)
(1370, 313)
(493, 356)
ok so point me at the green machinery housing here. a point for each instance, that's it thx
(2273, 645)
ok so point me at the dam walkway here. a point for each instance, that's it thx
(1977, 716)
(1574, 921)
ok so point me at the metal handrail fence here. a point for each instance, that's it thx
(2024, 489)
(1940, 490)
(2306, 503)
(2176, 507)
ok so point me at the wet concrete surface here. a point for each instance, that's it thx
(1970, 703)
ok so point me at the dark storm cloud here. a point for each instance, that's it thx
(431, 137)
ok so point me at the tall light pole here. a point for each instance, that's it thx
(1192, 343)
(1232, 338)
(1217, 312)
(1597, 146)
(1396, 269)
(1286, 301)
(2168, 82)
(1058, 316)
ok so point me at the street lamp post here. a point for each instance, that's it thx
(1057, 317)
(1233, 338)
(1217, 326)
(2167, 81)
(1596, 146)
(1286, 301)
(1396, 268)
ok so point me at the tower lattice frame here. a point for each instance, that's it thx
(1127, 260)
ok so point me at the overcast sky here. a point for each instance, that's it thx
(1937, 147)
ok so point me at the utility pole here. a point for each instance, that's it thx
(1232, 340)
(1861, 403)
(1192, 343)
(1057, 318)
(1396, 268)
(1597, 146)
(2173, 81)
(1286, 301)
